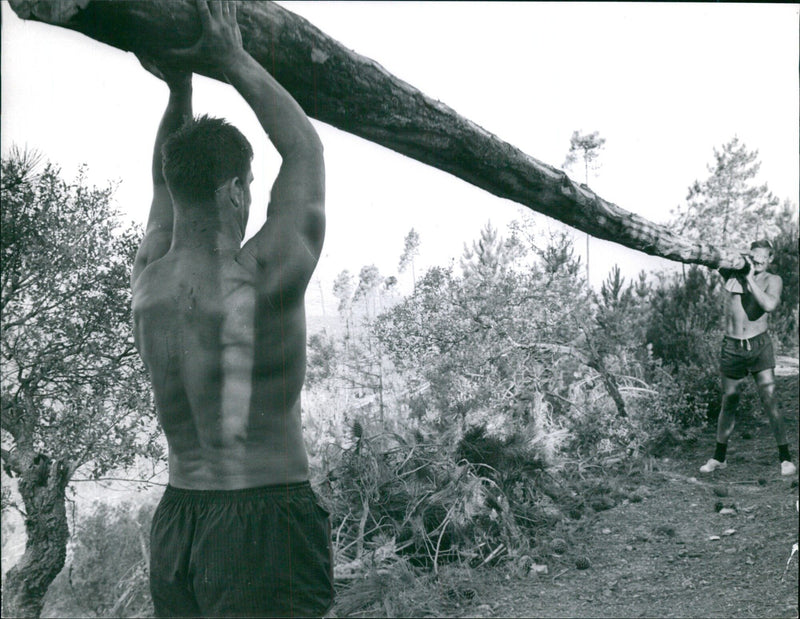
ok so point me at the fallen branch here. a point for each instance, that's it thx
(493, 554)
(357, 95)
(788, 561)
(561, 573)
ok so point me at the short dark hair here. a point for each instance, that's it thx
(762, 243)
(202, 155)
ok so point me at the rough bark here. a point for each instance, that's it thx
(610, 383)
(42, 484)
(357, 95)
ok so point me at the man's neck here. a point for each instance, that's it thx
(204, 228)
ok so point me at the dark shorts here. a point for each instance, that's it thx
(260, 552)
(740, 357)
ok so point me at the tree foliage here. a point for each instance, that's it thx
(488, 256)
(73, 386)
(410, 251)
(728, 206)
(321, 357)
(343, 291)
(586, 147)
(369, 281)
(786, 263)
(75, 395)
(483, 341)
(685, 311)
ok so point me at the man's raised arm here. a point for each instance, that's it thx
(158, 234)
(291, 239)
(284, 121)
(769, 296)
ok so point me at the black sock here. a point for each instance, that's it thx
(783, 453)
(720, 451)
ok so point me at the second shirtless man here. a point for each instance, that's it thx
(747, 349)
(221, 329)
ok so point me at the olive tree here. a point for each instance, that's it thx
(74, 393)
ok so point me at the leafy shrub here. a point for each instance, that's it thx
(786, 263)
(685, 317)
(675, 410)
(507, 390)
(107, 575)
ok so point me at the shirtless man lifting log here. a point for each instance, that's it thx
(747, 350)
(221, 328)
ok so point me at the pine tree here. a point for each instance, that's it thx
(410, 250)
(587, 146)
(728, 207)
(487, 256)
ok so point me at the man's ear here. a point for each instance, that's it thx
(236, 192)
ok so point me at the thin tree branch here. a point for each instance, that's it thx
(122, 479)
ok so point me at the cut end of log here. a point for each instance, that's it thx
(55, 12)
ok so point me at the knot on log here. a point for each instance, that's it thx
(50, 11)
(566, 185)
(318, 56)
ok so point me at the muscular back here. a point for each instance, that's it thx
(221, 325)
(227, 363)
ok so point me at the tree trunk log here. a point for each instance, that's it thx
(357, 95)
(43, 486)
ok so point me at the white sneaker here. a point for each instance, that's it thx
(713, 465)
(788, 468)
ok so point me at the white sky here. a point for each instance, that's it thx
(663, 83)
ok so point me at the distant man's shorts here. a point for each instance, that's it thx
(740, 357)
(260, 552)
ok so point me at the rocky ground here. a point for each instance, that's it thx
(688, 545)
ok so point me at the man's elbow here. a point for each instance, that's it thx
(307, 144)
(316, 142)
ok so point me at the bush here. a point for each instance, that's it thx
(677, 408)
(786, 263)
(685, 317)
(107, 575)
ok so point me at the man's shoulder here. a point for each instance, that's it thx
(150, 273)
(774, 278)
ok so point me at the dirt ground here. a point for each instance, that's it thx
(690, 545)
